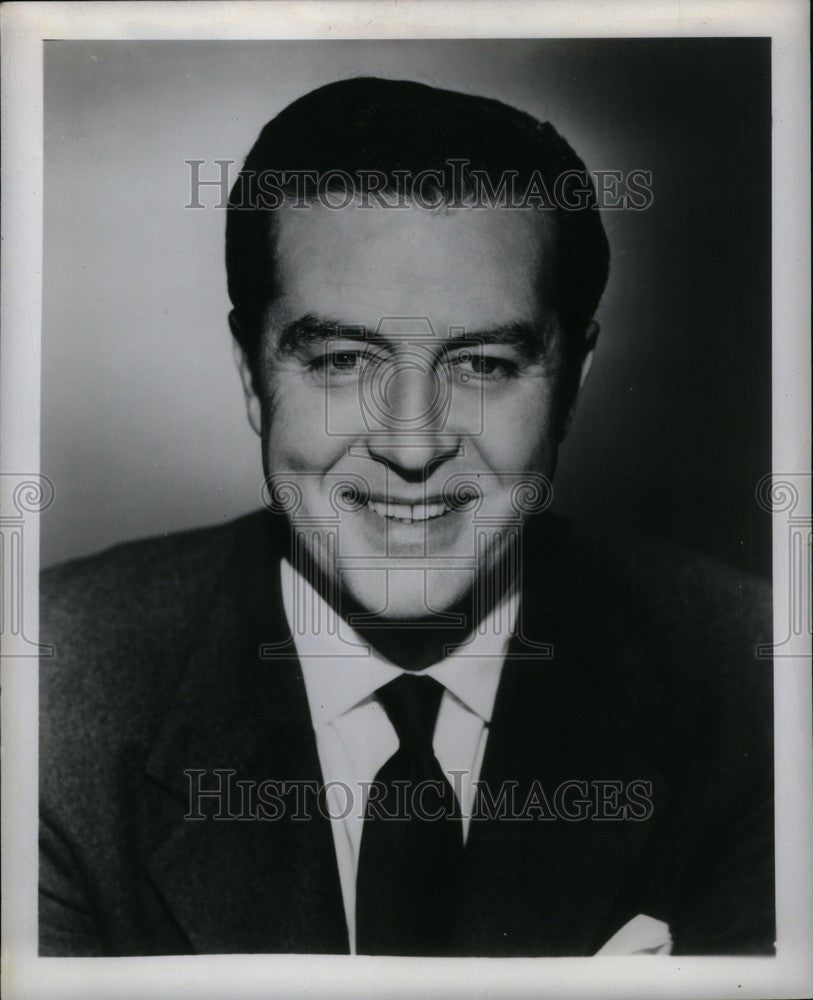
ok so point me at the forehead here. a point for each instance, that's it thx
(459, 267)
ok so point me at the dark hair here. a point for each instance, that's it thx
(401, 129)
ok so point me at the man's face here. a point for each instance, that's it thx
(408, 355)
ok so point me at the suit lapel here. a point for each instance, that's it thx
(555, 886)
(257, 879)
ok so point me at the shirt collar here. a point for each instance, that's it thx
(342, 671)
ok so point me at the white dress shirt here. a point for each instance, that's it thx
(354, 736)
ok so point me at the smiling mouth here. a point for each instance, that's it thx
(404, 513)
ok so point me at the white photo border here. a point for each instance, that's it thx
(24, 27)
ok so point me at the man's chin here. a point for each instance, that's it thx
(408, 595)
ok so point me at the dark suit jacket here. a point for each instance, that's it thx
(652, 677)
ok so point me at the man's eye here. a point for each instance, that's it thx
(337, 362)
(484, 365)
(344, 360)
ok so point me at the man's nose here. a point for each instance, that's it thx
(408, 406)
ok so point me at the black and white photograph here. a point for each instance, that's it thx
(417, 517)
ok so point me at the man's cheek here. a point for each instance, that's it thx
(292, 446)
(294, 422)
(518, 439)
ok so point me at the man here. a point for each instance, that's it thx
(405, 710)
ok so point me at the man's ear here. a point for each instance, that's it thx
(589, 348)
(590, 338)
(253, 406)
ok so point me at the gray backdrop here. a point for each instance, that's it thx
(143, 429)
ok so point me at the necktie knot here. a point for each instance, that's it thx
(412, 703)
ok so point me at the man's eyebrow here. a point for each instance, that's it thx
(531, 340)
(308, 330)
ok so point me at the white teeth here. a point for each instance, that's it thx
(408, 512)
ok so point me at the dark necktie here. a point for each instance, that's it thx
(412, 838)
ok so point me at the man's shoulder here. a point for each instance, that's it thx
(697, 598)
(655, 581)
(125, 619)
(663, 623)
(157, 576)
(679, 632)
